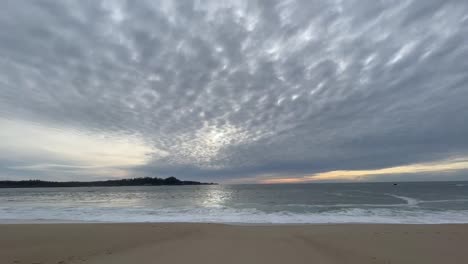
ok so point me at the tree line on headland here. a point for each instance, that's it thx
(146, 181)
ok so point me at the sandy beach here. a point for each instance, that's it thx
(218, 243)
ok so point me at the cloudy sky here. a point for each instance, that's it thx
(234, 91)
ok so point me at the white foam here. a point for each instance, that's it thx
(414, 202)
(409, 201)
(230, 215)
(444, 201)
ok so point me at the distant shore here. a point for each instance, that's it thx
(146, 181)
(218, 243)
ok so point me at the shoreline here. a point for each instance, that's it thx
(78, 222)
(105, 243)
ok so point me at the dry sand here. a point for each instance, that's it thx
(216, 243)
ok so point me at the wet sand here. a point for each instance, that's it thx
(218, 243)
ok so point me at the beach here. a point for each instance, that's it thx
(219, 243)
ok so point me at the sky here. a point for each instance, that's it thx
(234, 91)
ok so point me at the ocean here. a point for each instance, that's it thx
(413, 203)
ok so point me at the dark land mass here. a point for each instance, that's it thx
(147, 181)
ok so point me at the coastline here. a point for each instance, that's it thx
(14, 222)
(207, 243)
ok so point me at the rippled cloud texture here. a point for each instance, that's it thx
(233, 91)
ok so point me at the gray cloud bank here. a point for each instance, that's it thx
(235, 89)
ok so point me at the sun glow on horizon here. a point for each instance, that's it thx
(356, 175)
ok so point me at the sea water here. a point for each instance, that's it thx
(429, 203)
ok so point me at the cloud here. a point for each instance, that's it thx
(36, 148)
(234, 89)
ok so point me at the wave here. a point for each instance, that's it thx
(415, 202)
(409, 200)
(232, 215)
(351, 205)
(444, 201)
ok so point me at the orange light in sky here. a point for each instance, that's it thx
(352, 175)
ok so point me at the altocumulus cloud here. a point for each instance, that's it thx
(234, 90)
